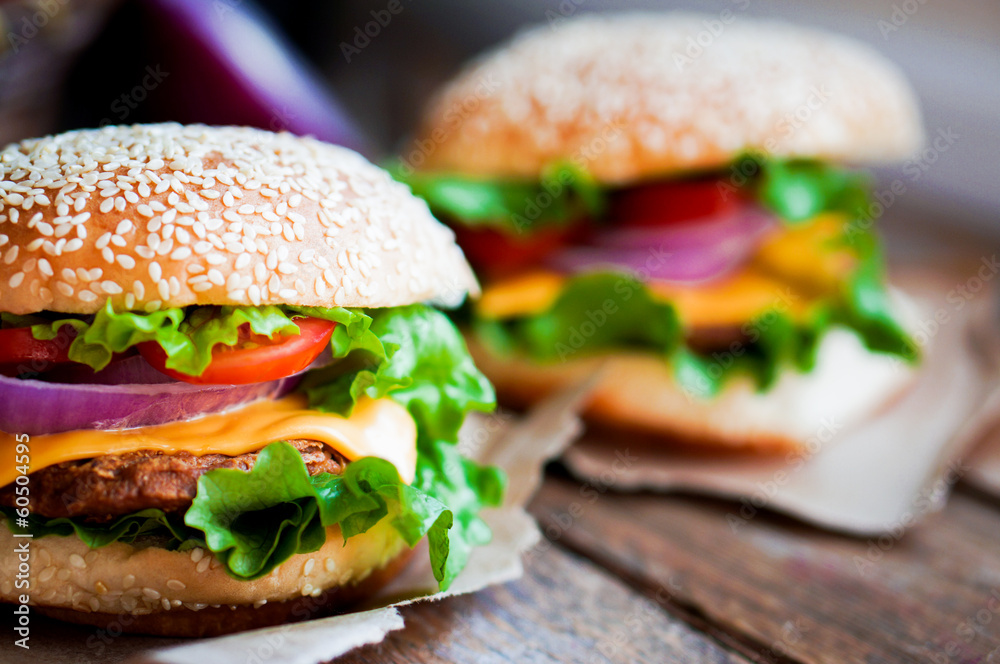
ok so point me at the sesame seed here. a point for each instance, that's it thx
(76, 560)
(63, 187)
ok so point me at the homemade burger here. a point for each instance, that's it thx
(225, 402)
(666, 197)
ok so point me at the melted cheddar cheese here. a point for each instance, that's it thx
(380, 428)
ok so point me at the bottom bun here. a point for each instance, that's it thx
(636, 391)
(145, 589)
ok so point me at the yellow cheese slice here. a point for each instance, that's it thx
(730, 301)
(520, 295)
(380, 428)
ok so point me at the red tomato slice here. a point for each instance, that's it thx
(496, 252)
(255, 358)
(20, 351)
(674, 202)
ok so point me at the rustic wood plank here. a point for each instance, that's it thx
(564, 609)
(791, 592)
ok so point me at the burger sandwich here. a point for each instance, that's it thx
(673, 200)
(226, 399)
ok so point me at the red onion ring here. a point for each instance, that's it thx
(36, 407)
(693, 252)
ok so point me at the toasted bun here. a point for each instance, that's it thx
(157, 216)
(636, 96)
(150, 590)
(637, 392)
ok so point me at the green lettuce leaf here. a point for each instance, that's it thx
(253, 521)
(565, 193)
(608, 312)
(416, 355)
(796, 190)
(186, 335)
(600, 310)
(144, 523)
(420, 361)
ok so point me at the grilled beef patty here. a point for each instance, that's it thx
(106, 487)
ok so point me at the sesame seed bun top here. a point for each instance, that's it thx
(636, 96)
(159, 216)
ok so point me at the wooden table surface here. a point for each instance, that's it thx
(666, 578)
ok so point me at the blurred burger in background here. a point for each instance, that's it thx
(225, 400)
(678, 207)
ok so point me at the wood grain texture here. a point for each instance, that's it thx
(787, 592)
(563, 610)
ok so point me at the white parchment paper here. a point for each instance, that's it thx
(877, 476)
